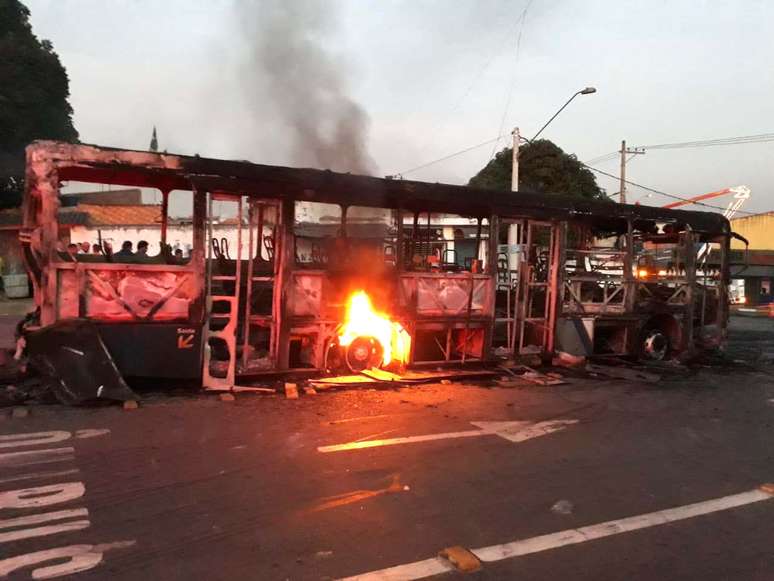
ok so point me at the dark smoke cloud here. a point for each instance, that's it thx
(304, 83)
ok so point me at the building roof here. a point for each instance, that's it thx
(95, 215)
(120, 215)
(127, 197)
(72, 217)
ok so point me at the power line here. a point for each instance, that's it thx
(487, 64)
(522, 19)
(740, 140)
(498, 50)
(655, 191)
(444, 158)
(586, 165)
(603, 158)
(760, 138)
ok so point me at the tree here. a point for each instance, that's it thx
(543, 168)
(34, 92)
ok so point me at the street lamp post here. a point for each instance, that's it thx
(586, 91)
(517, 136)
(513, 229)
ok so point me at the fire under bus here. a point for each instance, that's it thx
(300, 269)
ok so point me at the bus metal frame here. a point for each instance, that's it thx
(561, 298)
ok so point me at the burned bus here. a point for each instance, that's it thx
(291, 269)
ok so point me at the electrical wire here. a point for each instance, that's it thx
(740, 140)
(522, 19)
(604, 158)
(587, 166)
(510, 30)
(444, 158)
(760, 138)
(655, 191)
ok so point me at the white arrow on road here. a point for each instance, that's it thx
(512, 431)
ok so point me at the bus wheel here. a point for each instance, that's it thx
(364, 353)
(655, 345)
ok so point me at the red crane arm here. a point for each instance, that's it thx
(698, 198)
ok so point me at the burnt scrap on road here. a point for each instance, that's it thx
(292, 269)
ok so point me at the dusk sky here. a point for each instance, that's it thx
(437, 76)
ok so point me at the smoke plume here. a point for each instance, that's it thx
(304, 83)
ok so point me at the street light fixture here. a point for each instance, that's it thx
(586, 91)
(513, 229)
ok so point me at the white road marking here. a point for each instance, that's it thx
(522, 431)
(429, 567)
(16, 440)
(54, 437)
(66, 560)
(404, 440)
(416, 570)
(80, 558)
(32, 475)
(384, 433)
(93, 433)
(35, 519)
(41, 495)
(615, 527)
(37, 457)
(513, 431)
(76, 525)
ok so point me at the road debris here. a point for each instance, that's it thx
(461, 558)
(622, 373)
(381, 374)
(521, 373)
(564, 359)
(77, 367)
(380, 377)
(291, 391)
(542, 379)
(252, 389)
(562, 507)
(19, 412)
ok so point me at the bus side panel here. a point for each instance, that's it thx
(158, 350)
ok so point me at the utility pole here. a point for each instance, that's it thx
(513, 229)
(622, 187)
(624, 152)
(515, 172)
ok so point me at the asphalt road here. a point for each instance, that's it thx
(195, 488)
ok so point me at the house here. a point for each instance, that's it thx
(752, 269)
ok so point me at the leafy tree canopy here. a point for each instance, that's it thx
(34, 92)
(543, 168)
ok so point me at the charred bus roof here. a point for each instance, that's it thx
(168, 172)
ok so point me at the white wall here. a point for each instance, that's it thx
(177, 237)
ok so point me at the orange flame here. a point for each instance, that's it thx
(362, 320)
